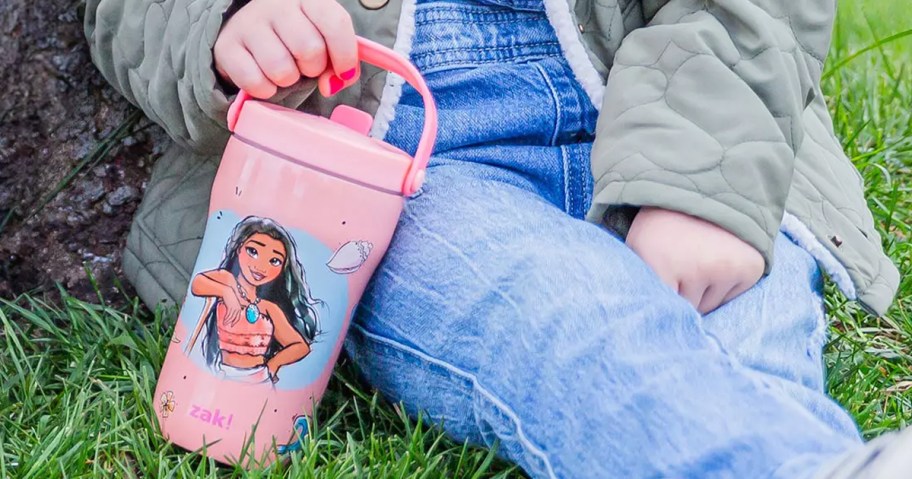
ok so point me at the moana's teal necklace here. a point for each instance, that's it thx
(252, 312)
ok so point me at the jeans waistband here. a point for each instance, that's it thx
(470, 33)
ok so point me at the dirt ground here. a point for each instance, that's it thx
(57, 115)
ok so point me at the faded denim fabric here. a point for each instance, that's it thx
(508, 319)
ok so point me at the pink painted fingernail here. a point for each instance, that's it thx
(335, 84)
(348, 75)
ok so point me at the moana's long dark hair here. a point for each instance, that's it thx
(289, 291)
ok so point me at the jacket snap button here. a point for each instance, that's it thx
(373, 4)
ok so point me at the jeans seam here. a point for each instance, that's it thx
(473, 57)
(466, 14)
(469, 49)
(472, 11)
(430, 66)
(476, 385)
(566, 160)
(584, 188)
(447, 21)
(817, 338)
(557, 104)
(571, 182)
(578, 182)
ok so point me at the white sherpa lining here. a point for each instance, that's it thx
(392, 90)
(802, 236)
(561, 19)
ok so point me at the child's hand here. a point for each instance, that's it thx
(269, 44)
(704, 263)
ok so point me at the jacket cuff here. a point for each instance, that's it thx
(758, 232)
(211, 97)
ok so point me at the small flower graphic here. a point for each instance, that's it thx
(167, 404)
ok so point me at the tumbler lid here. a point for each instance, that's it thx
(335, 148)
(322, 144)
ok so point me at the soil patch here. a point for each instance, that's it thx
(74, 157)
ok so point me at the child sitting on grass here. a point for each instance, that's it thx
(676, 333)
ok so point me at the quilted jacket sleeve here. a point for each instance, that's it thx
(158, 54)
(703, 112)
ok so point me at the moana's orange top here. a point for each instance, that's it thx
(243, 337)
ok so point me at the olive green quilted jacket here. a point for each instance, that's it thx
(712, 108)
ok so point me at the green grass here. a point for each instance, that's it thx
(77, 382)
(76, 379)
(870, 97)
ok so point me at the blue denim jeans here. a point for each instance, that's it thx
(502, 315)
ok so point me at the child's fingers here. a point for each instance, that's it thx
(335, 25)
(272, 56)
(303, 41)
(240, 67)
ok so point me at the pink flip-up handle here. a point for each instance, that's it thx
(384, 58)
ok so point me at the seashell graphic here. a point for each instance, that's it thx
(350, 256)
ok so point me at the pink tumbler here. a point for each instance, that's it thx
(302, 210)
